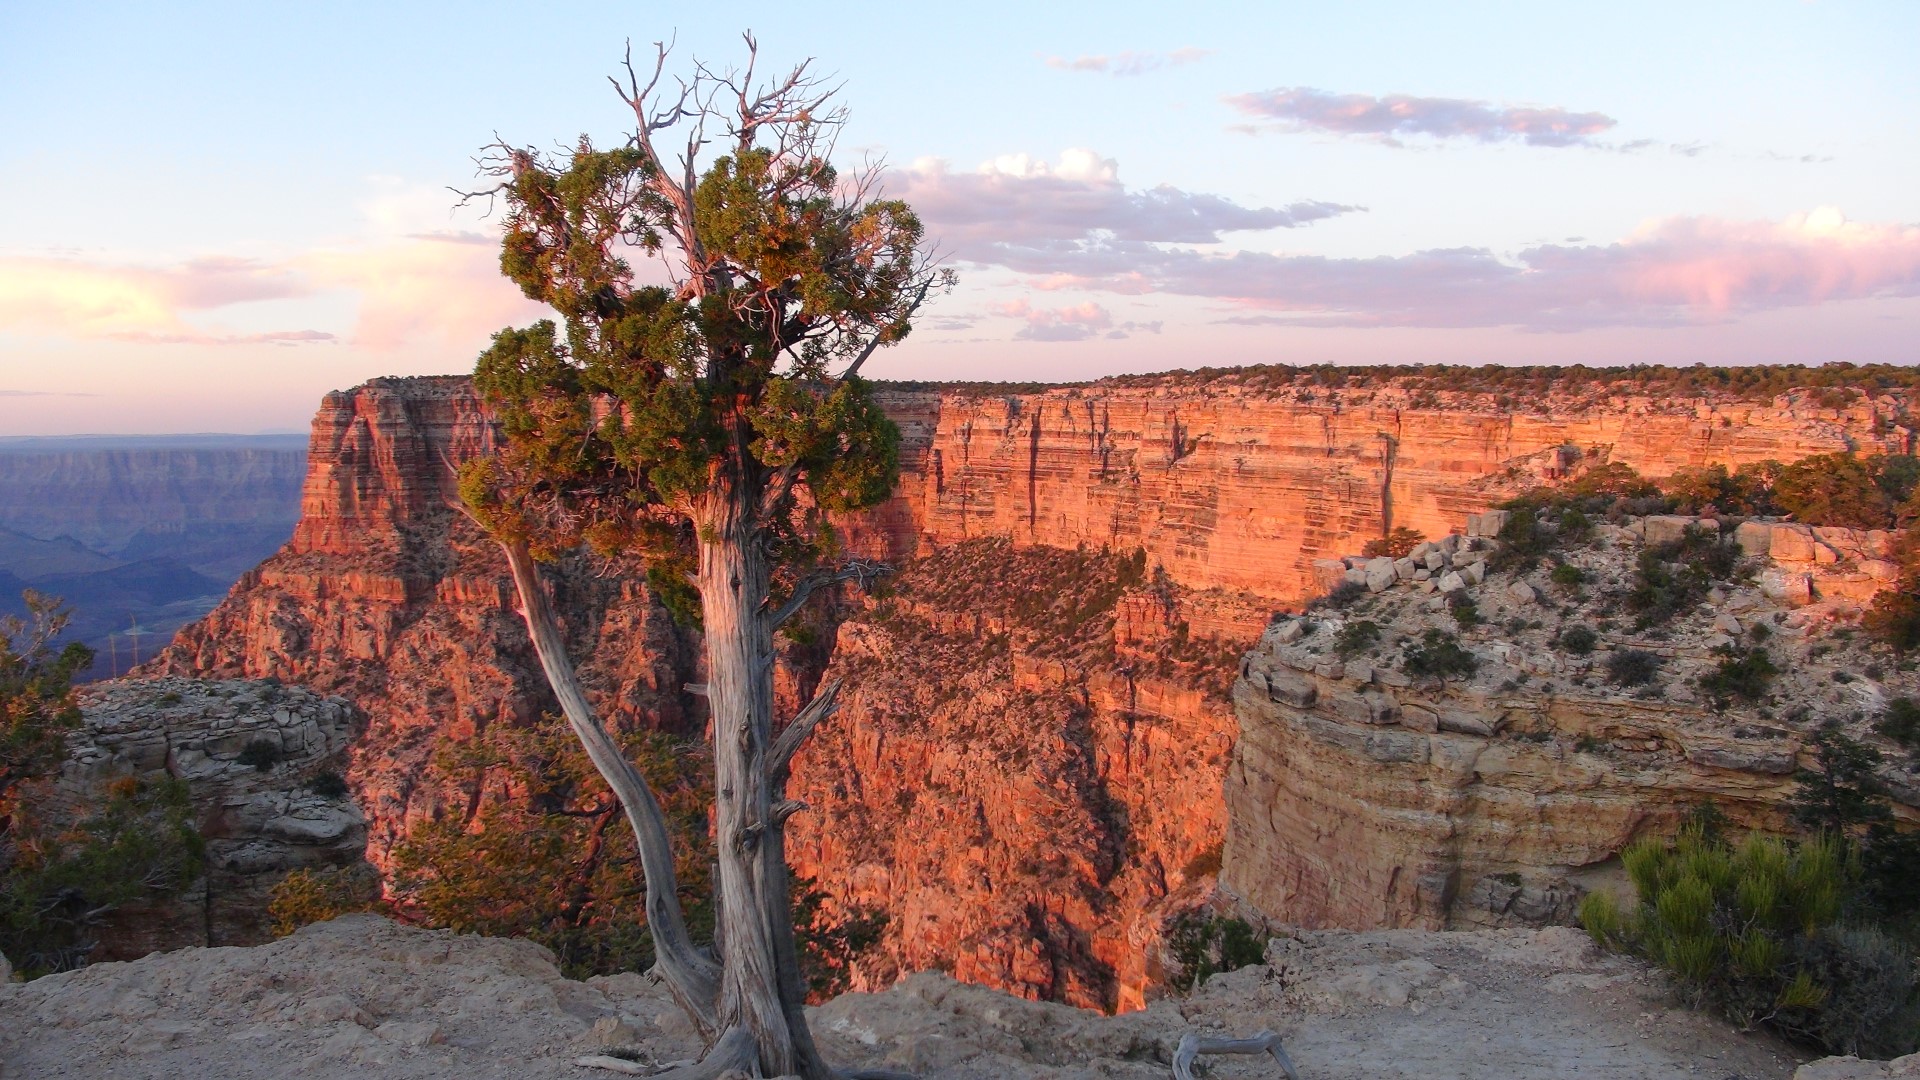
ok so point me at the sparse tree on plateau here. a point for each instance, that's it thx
(708, 416)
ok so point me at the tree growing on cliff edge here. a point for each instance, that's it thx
(710, 422)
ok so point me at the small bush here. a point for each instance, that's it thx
(261, 754)
(1578, 640)
(1344, 595)
(1568, 576)
(1356, 638)
(1752, 932)
(1632, 667)
(310, 896)
(1901, 723)
(1204, 945)
(1439, 655)
(1466, 613)
(1744, 674)
(328, 785)
(1205, 862)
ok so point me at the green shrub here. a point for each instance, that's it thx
(1440, 655)
(1568, 576)
(1632, 667)
(260, 754)
(1344, 595)
(1845, 489)
(1466, 613)
(328, 785)
(1204, 945)
(1901, 723)
(1356, 638)
(1578, 640)
(1752, 931)
(311, 896)
(1672, 579)
(1743, 673)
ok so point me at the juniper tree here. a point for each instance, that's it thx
(710, 417)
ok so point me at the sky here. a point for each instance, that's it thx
(215, 213)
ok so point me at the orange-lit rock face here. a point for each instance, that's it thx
(1024, 818)
(1236, 487)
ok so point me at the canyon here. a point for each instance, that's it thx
(1023, 803)
(140, 535)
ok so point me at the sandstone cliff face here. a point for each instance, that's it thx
(1235, 484)
(1108, 764)
(1363, 796)
(389, 597)
(259, 824)
(1022, 796)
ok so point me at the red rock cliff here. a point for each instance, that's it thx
(1044, 865)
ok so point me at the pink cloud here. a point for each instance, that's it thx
(1017, 203)
(437, 289)
(1397, 116)
(1129, 63)
(1669, 272)
(1077, 322)
(67, 297)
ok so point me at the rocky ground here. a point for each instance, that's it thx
(363, 997)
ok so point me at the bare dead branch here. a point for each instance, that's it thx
(1193, 1045)
(824, 704)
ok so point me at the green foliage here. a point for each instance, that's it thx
(1743, 674)
(328, 785)
(56, 882)
(310, 896)
(1343, 595)
(1439, 655)
(1754, 932)
(140, 844)
(1466, 613)
(260, 754)
(1397, 544)
(1873, 492)
(1568, 576)
(1673, 578)
(545, 854)
(1356, 637)
(1840, 794)
(1711, 489)
(1901, 723)
(1578, 640)
(1632, 667)
(36, 700)
(1205, 944)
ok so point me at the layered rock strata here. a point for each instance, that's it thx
(1232, 486)
(1362, 795)
(261, 818)
(1024, 794)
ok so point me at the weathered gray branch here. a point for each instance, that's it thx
(1192, 1046)
(823, 705)
(860, 570)
(732, 1053)
(690, 974)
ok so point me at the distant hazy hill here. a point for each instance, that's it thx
(141, 534)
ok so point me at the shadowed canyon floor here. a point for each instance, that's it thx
(363, 997)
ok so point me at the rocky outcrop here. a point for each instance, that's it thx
(388, 596)
(360, 996)
(1021, 792)
(1363, 794)
(261, 817)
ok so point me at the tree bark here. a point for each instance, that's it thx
(760, 977)
(690, 974)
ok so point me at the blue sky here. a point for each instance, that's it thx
(217, 212)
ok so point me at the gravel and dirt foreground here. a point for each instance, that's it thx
(363, 997)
